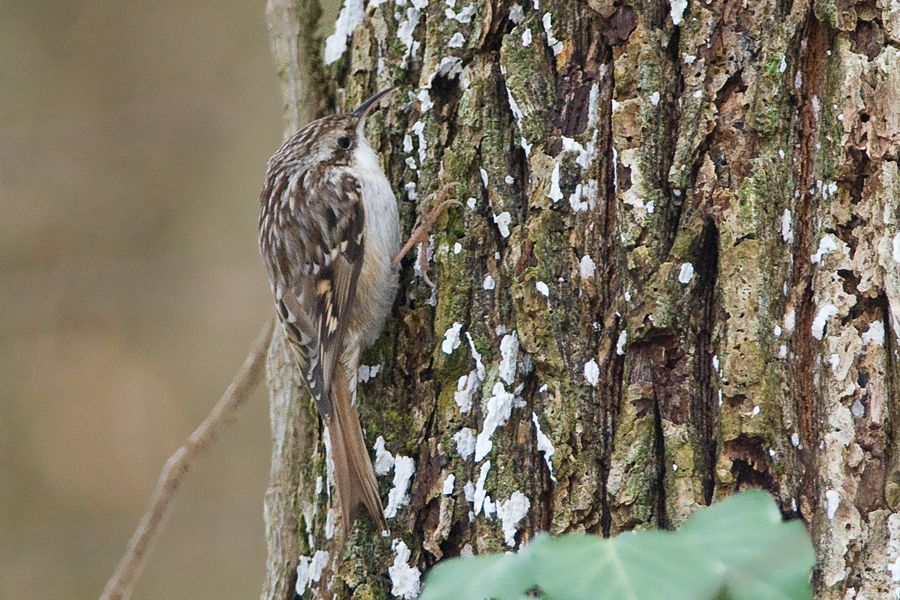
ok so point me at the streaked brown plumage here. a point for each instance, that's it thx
(328, 230)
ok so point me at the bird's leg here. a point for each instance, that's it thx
(419, 236)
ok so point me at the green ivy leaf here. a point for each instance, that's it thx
(738, 549)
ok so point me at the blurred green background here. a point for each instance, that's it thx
(133, 141)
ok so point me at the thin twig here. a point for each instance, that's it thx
(179, 464)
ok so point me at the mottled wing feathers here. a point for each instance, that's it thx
(312, 244)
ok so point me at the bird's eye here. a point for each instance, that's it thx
(344, 142)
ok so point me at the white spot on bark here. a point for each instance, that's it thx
(526, 37)
(555, 192)
(405, 579)
(367, 372)
(384, 460)
(465, 442)
(587, 267)
(510, 513)
(351, 15)
(398, 497)
(480, 497)
(826, 311)
(502, 221)
(310, 570)
(677, 10)
(516, 14)
(654, 98)
(478, 364)
(834, 501)
(509, 352)
(875, 334)
(554, 43)
(499, 408)
(621, 342)
(451, 339)
(686, 273)
(592, 372)
(449, 482)
(543, 444)
(542, 288)
(465, 389)
(787, 227)
(457, 40)
(826, 244)
(329, 524)
(489, 282)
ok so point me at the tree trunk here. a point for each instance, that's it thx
(675, 274)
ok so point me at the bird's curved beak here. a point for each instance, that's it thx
(369, 104)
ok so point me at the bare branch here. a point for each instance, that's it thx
(179, 464)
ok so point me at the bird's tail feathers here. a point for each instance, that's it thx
(353, 472)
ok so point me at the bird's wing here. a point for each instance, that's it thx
(314, 261)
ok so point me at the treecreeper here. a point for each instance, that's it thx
(328, 232)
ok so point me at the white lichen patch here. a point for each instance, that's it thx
(465, 389)
(480, 494)
(787, 227)
(592, 372)
(620, 343)
(451, 339)
(509, 354)
(465, 442)
(449, 483)
(587, 267)
(677, 8)
(543, 444)
(367, 372)
(384, 460)
(479, 365)
(463, 16)
(825, 312)
(827, 244)
(405, 578)
(503, 221)
(498, 411)
(555, 44)
(419, 129)
(875, 334)
(398, 497)
(511, 512)
(542, 289)
(790, 320)
(686, 273)
(516, 14)
(352, 14)
(330, 521)
(654, 98)
(309, 570)
(457, 40)
(488, 283)
(833, 498)
(584, 197)
(555, 191)
(329, 462)
(407, 28)
(526, 37)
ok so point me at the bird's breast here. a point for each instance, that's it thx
(377, 284)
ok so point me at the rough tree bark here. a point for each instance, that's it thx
(678, 264)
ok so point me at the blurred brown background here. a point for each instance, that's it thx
(133, 140)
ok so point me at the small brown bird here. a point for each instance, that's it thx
(328, 231)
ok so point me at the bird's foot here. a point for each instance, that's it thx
(421, 231)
